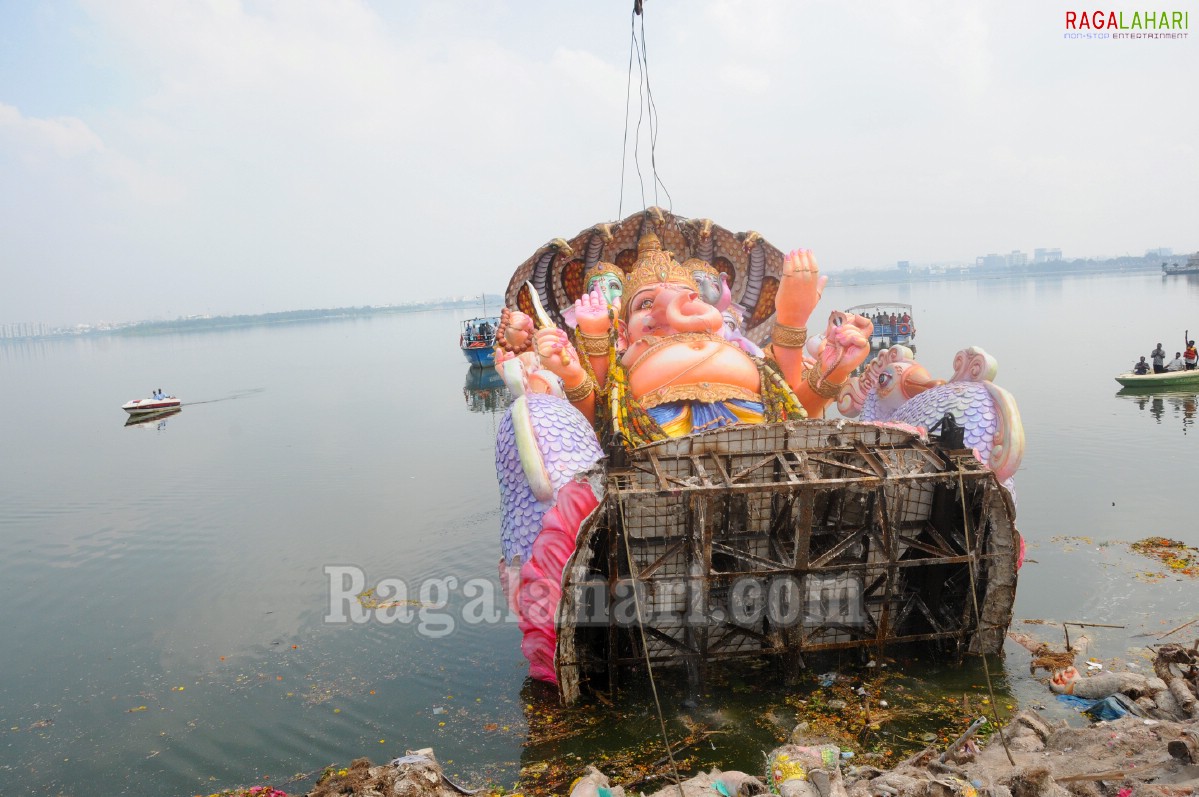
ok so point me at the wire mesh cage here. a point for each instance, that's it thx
(786, 539)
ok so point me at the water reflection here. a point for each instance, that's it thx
(485, 391)
(1163, 404)
(153, 420)
(1191, 282)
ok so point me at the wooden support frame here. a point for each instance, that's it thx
(852, 519)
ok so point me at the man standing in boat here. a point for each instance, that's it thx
(1159, 359)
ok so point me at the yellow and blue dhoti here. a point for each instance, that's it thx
(679, 418)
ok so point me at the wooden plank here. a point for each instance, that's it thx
(808, 647)
(664, 480)
(786, 468)
(724, 474)
(835, 569)
(803, 528)
(809, 473)
(844, 465)
(875, 464)
(615, 530)
(929, 455)
(841, 547)
(923, 546)
(891, 554)
(748, 557)
(698, 466)
(865, 482)
(756, 466)
(672, 550)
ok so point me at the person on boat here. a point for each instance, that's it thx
(1176, 364)
(485, 331)
(1158, 356)
(1190, 356)
(1141, 368)
(470, 331)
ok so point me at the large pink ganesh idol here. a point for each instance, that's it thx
(676, 373)
(650, 362)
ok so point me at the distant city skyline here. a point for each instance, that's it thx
(982, 263)
(174, 158)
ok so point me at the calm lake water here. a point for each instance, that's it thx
(162, 587)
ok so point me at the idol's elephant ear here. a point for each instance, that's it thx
(545, 451)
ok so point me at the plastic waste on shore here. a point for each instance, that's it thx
(1109, 708)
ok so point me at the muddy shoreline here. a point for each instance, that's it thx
(1143, 739)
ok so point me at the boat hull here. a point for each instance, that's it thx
(479, 357)
(1171, 379)
(141, 406)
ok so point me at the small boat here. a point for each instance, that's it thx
(888, 332)
(1191, 266)
(1170, 379)
(142, 406)
(155, 419)
(477, 340)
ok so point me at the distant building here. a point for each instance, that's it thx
(991, 262)
(1164, 251)
(1017, 259)
(1046, 255)
(905, 267)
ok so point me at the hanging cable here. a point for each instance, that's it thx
(628, 94)
(653, 123)
(649, 667)
(640, 114)
(647, 111)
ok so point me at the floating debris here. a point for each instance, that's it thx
(1180, 558)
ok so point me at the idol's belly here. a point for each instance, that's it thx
(703, 370)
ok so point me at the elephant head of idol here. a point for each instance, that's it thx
(713, 286)
(608, 279)
(662, 297)
(892, 378)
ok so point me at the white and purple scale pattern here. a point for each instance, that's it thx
(969, 402)
(870, 411)
(568, 445)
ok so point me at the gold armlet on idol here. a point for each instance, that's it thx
(580, 392)
(821, 386)
(788, 337)
(594, 345)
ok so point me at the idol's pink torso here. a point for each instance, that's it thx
(676, 363)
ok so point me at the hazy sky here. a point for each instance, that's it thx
(163, 158)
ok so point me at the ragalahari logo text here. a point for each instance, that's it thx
(1099, 24)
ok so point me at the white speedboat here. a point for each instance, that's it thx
(141, 406)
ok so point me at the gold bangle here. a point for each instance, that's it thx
(579, 391)
(821, 386)
(594, 345)
(789, 337)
